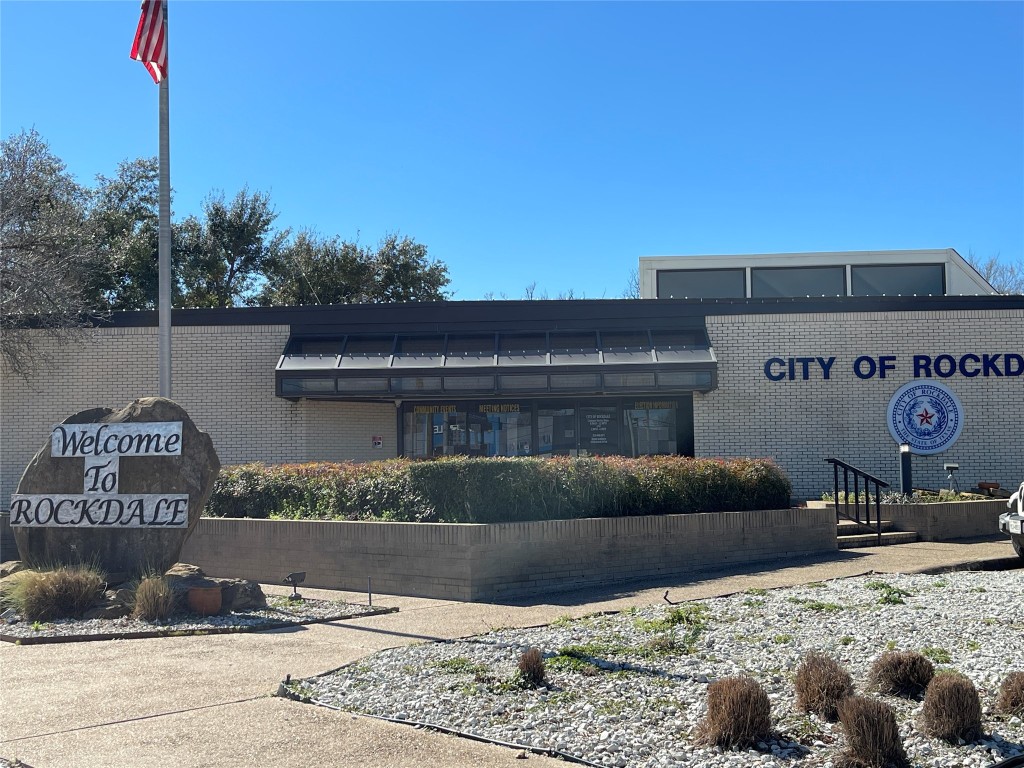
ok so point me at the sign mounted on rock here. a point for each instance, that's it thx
(100, 503)
(118, 489)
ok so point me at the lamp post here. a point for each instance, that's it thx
(905, 481)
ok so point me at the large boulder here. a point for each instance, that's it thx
(122, 552)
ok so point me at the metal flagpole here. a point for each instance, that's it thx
(164, 247)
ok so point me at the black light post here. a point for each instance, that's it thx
(905, 481)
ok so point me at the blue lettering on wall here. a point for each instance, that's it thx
(944, 366)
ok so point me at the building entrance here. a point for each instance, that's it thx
(564, 427)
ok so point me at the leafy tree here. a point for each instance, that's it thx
(47, 249)
(221, 259)
(316, 270)
(1007, 277)
(125, 217)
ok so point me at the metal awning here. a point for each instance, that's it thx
(513, 364)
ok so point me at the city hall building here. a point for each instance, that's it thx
(796, 357)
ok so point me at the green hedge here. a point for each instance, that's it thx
(496, 490)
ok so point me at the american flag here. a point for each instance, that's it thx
(150, 46)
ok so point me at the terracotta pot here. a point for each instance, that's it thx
(205, 601)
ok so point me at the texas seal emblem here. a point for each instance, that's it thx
(928, 417)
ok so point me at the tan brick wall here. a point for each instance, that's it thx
(800, 423)
(222, 375)
(486, 562)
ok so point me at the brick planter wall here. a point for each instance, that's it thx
(947, 521)
(489, 562)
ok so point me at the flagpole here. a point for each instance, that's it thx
(164, 243)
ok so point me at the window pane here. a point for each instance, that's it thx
(649, 431)
(416, 384)
(362, 385)
(905, 280)
(798, 281)
(480, 383)
(507, 430)
(306, 386)
(539, 383)
(701, 284)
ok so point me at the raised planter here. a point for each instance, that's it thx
(488, 562)
(942, 521)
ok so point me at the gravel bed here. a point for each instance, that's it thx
(280, 611)
(636, 690)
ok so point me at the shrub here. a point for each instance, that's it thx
(486, 490)
(901, 673)
(821, 683)
(872, 735)
(154, 599)
(531, 668)
(952, 708)
(1011, 695)
(64, 592)
(739, 714)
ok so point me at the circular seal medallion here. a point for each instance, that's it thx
(928, 417)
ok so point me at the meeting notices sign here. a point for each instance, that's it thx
(100, 504)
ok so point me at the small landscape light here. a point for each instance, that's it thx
(295, 579)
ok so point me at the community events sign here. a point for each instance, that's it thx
(100, 504)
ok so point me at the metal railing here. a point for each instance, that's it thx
(859, 477)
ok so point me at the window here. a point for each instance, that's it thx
(899, 279)
(702, 284)
(770, 282)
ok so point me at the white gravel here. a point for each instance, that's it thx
(642, 703)
(279, 611)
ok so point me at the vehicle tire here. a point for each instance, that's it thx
(1018, 545)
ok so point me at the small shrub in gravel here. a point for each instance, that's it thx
(154, 599)
(952, 708)
(901, 673)
(66, 592)
(739, 714)
(821, 683)
(1011, 695)
(872, 735)
(531, 668)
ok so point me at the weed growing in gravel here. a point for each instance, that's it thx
(937, 655)
(531, 668)
(562, 621)
(846, 640)
(891, 595)
(940, 584)
(782, 639)
(757, 591)
(696, 615)
(815, 605)
(972, 645)
(753, 602)
(460, 665)
(816, 585)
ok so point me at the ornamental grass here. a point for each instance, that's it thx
(951, 709)
(901, 673)
(872, 735)
(821, 683)
(63, 592)
(739, 714)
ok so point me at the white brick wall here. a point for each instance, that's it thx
(801, 423)
(224, 378)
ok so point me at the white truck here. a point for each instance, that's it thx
(1012, 523)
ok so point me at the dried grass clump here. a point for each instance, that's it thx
(901, 673)
(154, 599)
(531, 668)
(65, 592)
(1011, 695)
(952, 708)
(821, 683)
(739, 714)
(872, 735)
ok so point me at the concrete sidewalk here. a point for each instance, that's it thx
(208, 700)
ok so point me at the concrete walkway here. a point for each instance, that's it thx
(208, 700)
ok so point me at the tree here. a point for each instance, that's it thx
(221, 259)
(1006, 277)
(125, 217)
(315, 270)
(632, 285)
(47, 250)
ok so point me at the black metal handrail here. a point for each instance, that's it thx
(858, 476)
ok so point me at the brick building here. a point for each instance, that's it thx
(734, 359)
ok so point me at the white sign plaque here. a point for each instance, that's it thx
(100, 505)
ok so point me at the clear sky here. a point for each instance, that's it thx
(557, 142)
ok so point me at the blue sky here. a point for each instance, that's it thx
(556, 142)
